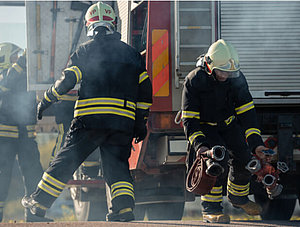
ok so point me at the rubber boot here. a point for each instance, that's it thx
(216, 218)
(29, 217)
(124, 215)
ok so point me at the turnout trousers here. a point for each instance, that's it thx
(25, 151)
(235, 175)
(115, 148)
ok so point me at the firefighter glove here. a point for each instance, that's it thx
(41, 107)
(140, 133)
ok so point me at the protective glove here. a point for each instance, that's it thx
(41, 107)
(140, 133)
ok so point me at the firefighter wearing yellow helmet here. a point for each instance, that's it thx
(17, 126)
(217, 109)
(115, 95)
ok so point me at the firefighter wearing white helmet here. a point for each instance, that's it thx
(217, 109)
(115, 95)
(17, 126)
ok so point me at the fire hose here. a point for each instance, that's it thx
(267, 174)
(205, 169)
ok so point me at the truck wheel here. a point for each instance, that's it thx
(277, 209)
(165, 211)
(90, 211)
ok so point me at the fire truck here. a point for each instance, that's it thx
(170, 35)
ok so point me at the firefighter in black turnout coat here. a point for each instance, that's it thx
(17, 126)
(114, 99)
(218, 110)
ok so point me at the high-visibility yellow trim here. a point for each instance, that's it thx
(125, 210)
(216, 190)
(194, 135)
(17, 67)
(121, 192)
(229, 120)
(77, 72)
(238, 187)
(90, 163)
(121, 184)
(45, 188)
(104, 110)
(244, 108)
(143, 76)
(238, 193)
(9, 128)
(212, 198)
(59, 139)
(69, 97)
(251, 131)
(55, 93)
(46, 97)
(143, 105)
(190, 114)
(104, 101)
(9, 134)
(53, 181)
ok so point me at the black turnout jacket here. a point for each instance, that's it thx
(207, 102)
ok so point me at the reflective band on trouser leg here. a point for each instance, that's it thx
(9, 131)
(122, 188)
(238, 190)
(194, 135)
(214, 196)
(50, 185)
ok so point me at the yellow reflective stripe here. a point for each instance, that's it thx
(53, 181)
(104, 110)
(17, 67)
(120, 192)
(77, 72)
(143, 105)
(41, 206)
(216, 190)
(104, 101)
(9, 134)
(54, 92)
(143, 76)
(59, 139)
(125, 210)
(251, 131)
(238, 193)
(9, 128)
(49, 190)
(31, 134)
(30, 127)
(90, 163)
(237, 186)
(190, 114)
(46, 97)
(212, 198)
(69, 97)
(208, 123)
(121, 184)
(229, 120)
(244, 108)
(194, 135)
(3, 88)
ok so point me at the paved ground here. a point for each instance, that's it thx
(153, 224)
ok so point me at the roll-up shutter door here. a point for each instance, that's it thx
(267, 38)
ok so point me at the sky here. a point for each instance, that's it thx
(12, 25)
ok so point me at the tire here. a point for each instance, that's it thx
(90, 211)
(165, 211)
(277, 209)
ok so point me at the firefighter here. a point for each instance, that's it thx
(17, 126)
(217, 109)
(114, 98)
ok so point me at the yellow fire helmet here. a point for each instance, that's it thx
(7, 51)
(223, 56)
(100, 14)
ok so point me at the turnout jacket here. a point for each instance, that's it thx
(18, 106)
(115, 89)
(208, 102)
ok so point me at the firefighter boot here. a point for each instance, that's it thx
(250, 208)
(29, 217)
(123, 215)
(216, 218)
(37, 210)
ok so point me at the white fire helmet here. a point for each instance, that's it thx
(7, 51)
(100, 14)
(223, 56)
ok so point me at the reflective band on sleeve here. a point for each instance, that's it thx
(244, 108)
(54, 92)
(143, 105)
(194, 135)
(229, 120)
(251, 131)
(143, 76)
(17, 67)
(77, 72)
(190, 114)
(69, 97)
(46, 97)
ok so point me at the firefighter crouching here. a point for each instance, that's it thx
(17, 126)
(217, 109)
(114, 99)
